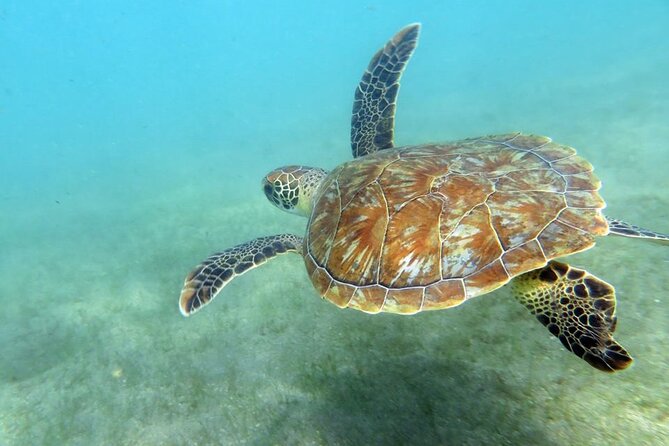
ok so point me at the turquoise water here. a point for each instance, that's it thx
(133, 136)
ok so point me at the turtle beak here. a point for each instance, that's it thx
(270, 193)
(267, 189)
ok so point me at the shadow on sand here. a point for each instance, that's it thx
(411, 400)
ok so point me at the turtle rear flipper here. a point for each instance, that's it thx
(209, 277)
(619, 227)
(577, 308)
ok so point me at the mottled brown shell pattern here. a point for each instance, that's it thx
(426, 227)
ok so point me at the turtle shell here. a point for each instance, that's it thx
(427, 227)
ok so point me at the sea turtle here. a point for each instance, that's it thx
(427, 227)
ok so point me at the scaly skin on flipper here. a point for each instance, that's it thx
(373, 120)
(619, 227)
(576, 307)
(210, 276)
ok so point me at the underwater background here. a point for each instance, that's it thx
(133, 137)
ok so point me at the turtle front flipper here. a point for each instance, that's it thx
(209, 277)
(576, 307)
(619, 227)
(373, 120)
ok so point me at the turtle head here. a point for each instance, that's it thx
(292, 188)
